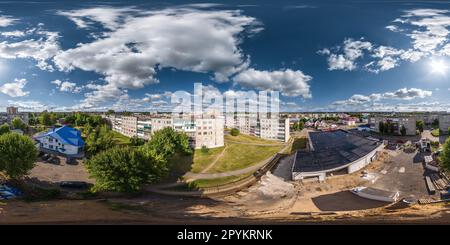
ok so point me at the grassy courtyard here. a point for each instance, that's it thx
(236, 155)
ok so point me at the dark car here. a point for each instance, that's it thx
(74, 184)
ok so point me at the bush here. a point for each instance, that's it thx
(4, 129)
(205, 149)
(235, 132)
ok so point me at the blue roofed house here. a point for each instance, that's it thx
(64, 140)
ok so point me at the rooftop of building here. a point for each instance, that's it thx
(331, 150)
(64, 134)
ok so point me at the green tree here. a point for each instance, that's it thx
(298, 126)
(234, 132)
(435, 123)
(381, 127)
(99, 139)
(17, 123)
(4, 129)
(403, 130)
(445, 155)
(136, 141)
(18, 154)
(391, 128)
(123, 169)
(165, 143)
(45, 119)
(420, 125)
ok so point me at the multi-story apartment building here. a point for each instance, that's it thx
(409, 122)
(273, 129)
(11, 110)
(129, 126)
(444, 122)
(11, 113)
(202, 131)
(263, 127)
(209, 131)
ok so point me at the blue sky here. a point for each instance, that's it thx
(132, 55)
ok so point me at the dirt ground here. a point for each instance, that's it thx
(60, 171)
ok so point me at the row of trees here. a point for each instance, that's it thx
(17, 123)
(298, 126)
(78, 119)
(126, 169)
(388, 128)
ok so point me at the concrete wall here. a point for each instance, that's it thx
(361, 163)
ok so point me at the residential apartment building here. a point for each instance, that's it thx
(12, 110)
(202, 131)
(11, 113)
(263, 127)
(273, 129)
(129, 126)
(444, 122)
(409, 122)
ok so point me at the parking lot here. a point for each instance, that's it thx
(403, 172)
(58, 170)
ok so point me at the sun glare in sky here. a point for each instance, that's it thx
(438, 66)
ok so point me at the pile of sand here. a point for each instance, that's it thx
(270, 194)
(272, 187)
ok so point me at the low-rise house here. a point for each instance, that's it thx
(64, 140)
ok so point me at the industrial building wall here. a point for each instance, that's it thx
(361, 163)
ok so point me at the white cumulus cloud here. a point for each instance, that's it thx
(288, 82)
(15, 89)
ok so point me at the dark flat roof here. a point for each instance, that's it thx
(332, 149)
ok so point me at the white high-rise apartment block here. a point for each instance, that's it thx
(202, 130)
(444, 123)
(263, 127)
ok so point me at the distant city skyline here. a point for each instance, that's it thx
(321, 56)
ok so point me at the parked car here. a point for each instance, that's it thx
(45, 157)
(74, 184)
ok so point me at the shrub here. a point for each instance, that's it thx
(235, 132)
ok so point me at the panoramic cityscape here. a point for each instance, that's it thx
(303, 112)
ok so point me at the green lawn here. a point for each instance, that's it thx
(238, 156)
(120, 139)
(201, 159)
(298, 143)
(435, 132)
(204, 183)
